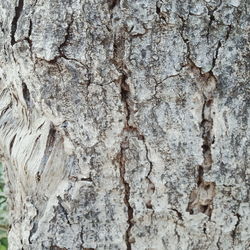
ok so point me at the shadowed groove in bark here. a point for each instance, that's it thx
(18, 11)
(201, 197)
(112, 4)
(49, 147)
(124, 96)
(26, 94)
(211, 18)
(12, 142)
(151, 186)
(179, 214)
(63, 210)
(63, 44)
(233, 233)
(66, 37)
(118, 61)
(57, 248)
(29, 34)
(122, 167)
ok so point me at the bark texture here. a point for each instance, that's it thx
(124, 124)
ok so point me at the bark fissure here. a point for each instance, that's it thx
(176, 233)
(159, 13)
(151, 186)
(216, 55)
(66, 37)
(18, 11)
(26, 94)
(118, 61)
(112, 4)
(211, 19)
(48, 148)
(201, 198)
(12, 142)
(229, 30)
(28, 39)
(63, 210)
(130, 211)
(124, 96)
(233, 234)
(179, 214)
(63, 44)
(33, 231)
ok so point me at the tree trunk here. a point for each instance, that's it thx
(125, 124)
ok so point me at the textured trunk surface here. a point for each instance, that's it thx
(125, 124)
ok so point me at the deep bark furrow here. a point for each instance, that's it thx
(66, 37)
(122, 162)
(48, 148)
(18, 11)
(234, 232)
(12, 142)
(26, 94)
(197, 203)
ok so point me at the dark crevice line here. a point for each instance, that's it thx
(211, 19)
(66, 37)
(179, 214)
(63, 44)
(63, 210)
(230, 27)
(18, 11)
(176, 232)
(11, 143)
(205, 228)
(195, 204)
(216, 55)
(28, 39)
(151, 184)
(130, 211)
(233, 233)
(112, 4)
(26, 94)
(124, 96)
(49, 147)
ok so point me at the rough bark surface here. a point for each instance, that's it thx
(124, 124)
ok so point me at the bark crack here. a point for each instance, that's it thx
(63, 210)
(11, 143)
(28, 38)
(211, 19)
(159, 13)
(201, 198)
(122, 162)
(48, 148)
(64, 43)
(179, 214)
(216, 56)
(128, 130)
(233, 234)
(112, 4)
(218, 242)
(18, 11)
(26, 94)
(151, 186)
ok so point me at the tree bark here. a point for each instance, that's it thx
(125, 124)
